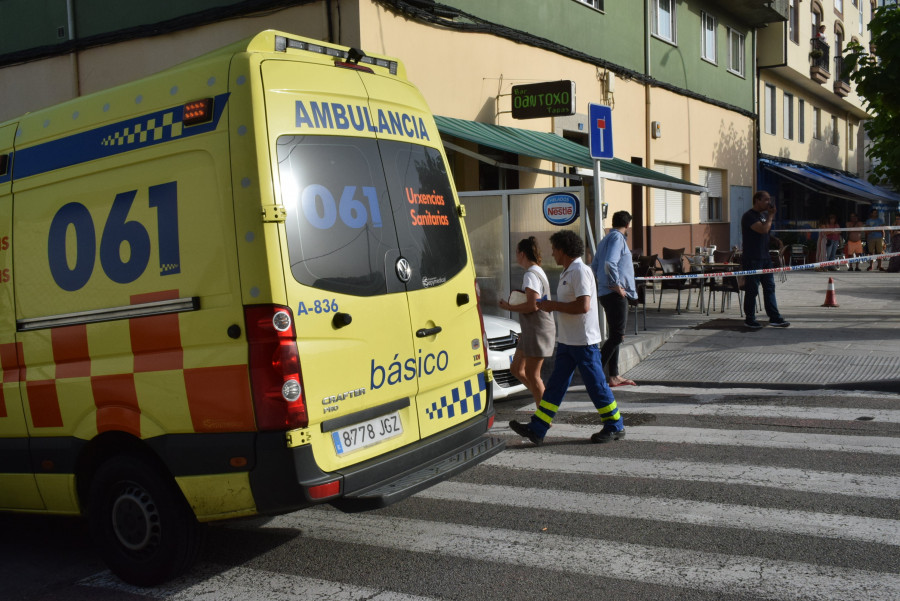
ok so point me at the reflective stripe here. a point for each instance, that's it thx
(609, 408)
(547, 405)
(611, 418)
(610, 413)
(543, 417)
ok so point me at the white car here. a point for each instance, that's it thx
(502, 338)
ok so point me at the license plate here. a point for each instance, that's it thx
(367, 433)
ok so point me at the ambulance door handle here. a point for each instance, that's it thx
(426, 332)
(340, 320)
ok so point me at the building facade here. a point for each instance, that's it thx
(678, 75)
(812, 142)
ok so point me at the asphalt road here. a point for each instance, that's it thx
(715, 494)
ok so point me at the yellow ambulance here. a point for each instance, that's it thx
(240, 286)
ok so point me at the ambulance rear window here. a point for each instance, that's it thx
(427, 223)
(351, 216)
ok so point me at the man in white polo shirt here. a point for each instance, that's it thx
(578, 337)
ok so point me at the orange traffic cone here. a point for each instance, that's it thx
(830, 299)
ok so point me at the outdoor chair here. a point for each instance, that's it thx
(727, 285)
(778, 261)
(671, 267)
(798, 255)
(722, 256)
(673, 253)
(644, 268)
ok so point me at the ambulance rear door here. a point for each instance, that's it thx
(440, 289)
(340, 255)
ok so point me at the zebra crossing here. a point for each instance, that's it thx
(482, 524)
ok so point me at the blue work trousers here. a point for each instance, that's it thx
(587, 360)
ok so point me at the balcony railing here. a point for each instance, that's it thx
(819, 54)
(839, 74)
(841, 80)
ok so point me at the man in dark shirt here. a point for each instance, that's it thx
(755, 226)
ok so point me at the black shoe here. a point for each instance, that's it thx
(607, 436)
(779, 324)
(525, 432)
(753, 325)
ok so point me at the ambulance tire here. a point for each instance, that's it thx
(144, 527)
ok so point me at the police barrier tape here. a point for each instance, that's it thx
(807, 266)
(809, 230)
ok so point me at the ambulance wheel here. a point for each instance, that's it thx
(144, 527)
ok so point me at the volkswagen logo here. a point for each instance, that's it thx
(404, 270)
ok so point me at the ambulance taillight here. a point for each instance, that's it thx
(275, 376)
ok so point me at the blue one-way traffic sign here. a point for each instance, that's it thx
(600, 117)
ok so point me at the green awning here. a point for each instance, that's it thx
(550, 147)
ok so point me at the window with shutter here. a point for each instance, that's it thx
(668, 205)
(711, 202)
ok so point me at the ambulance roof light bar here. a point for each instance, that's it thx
(282, 44)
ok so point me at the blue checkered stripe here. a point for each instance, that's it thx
(158, 129)
(461, 400)
(107, 140)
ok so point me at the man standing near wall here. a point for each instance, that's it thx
(755, 227)
(614, 269)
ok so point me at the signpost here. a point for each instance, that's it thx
(601, 138)
(601, 143)
(546, 99)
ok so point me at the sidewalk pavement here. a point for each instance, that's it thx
(855, 346)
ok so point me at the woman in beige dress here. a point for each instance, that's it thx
(538, 327)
